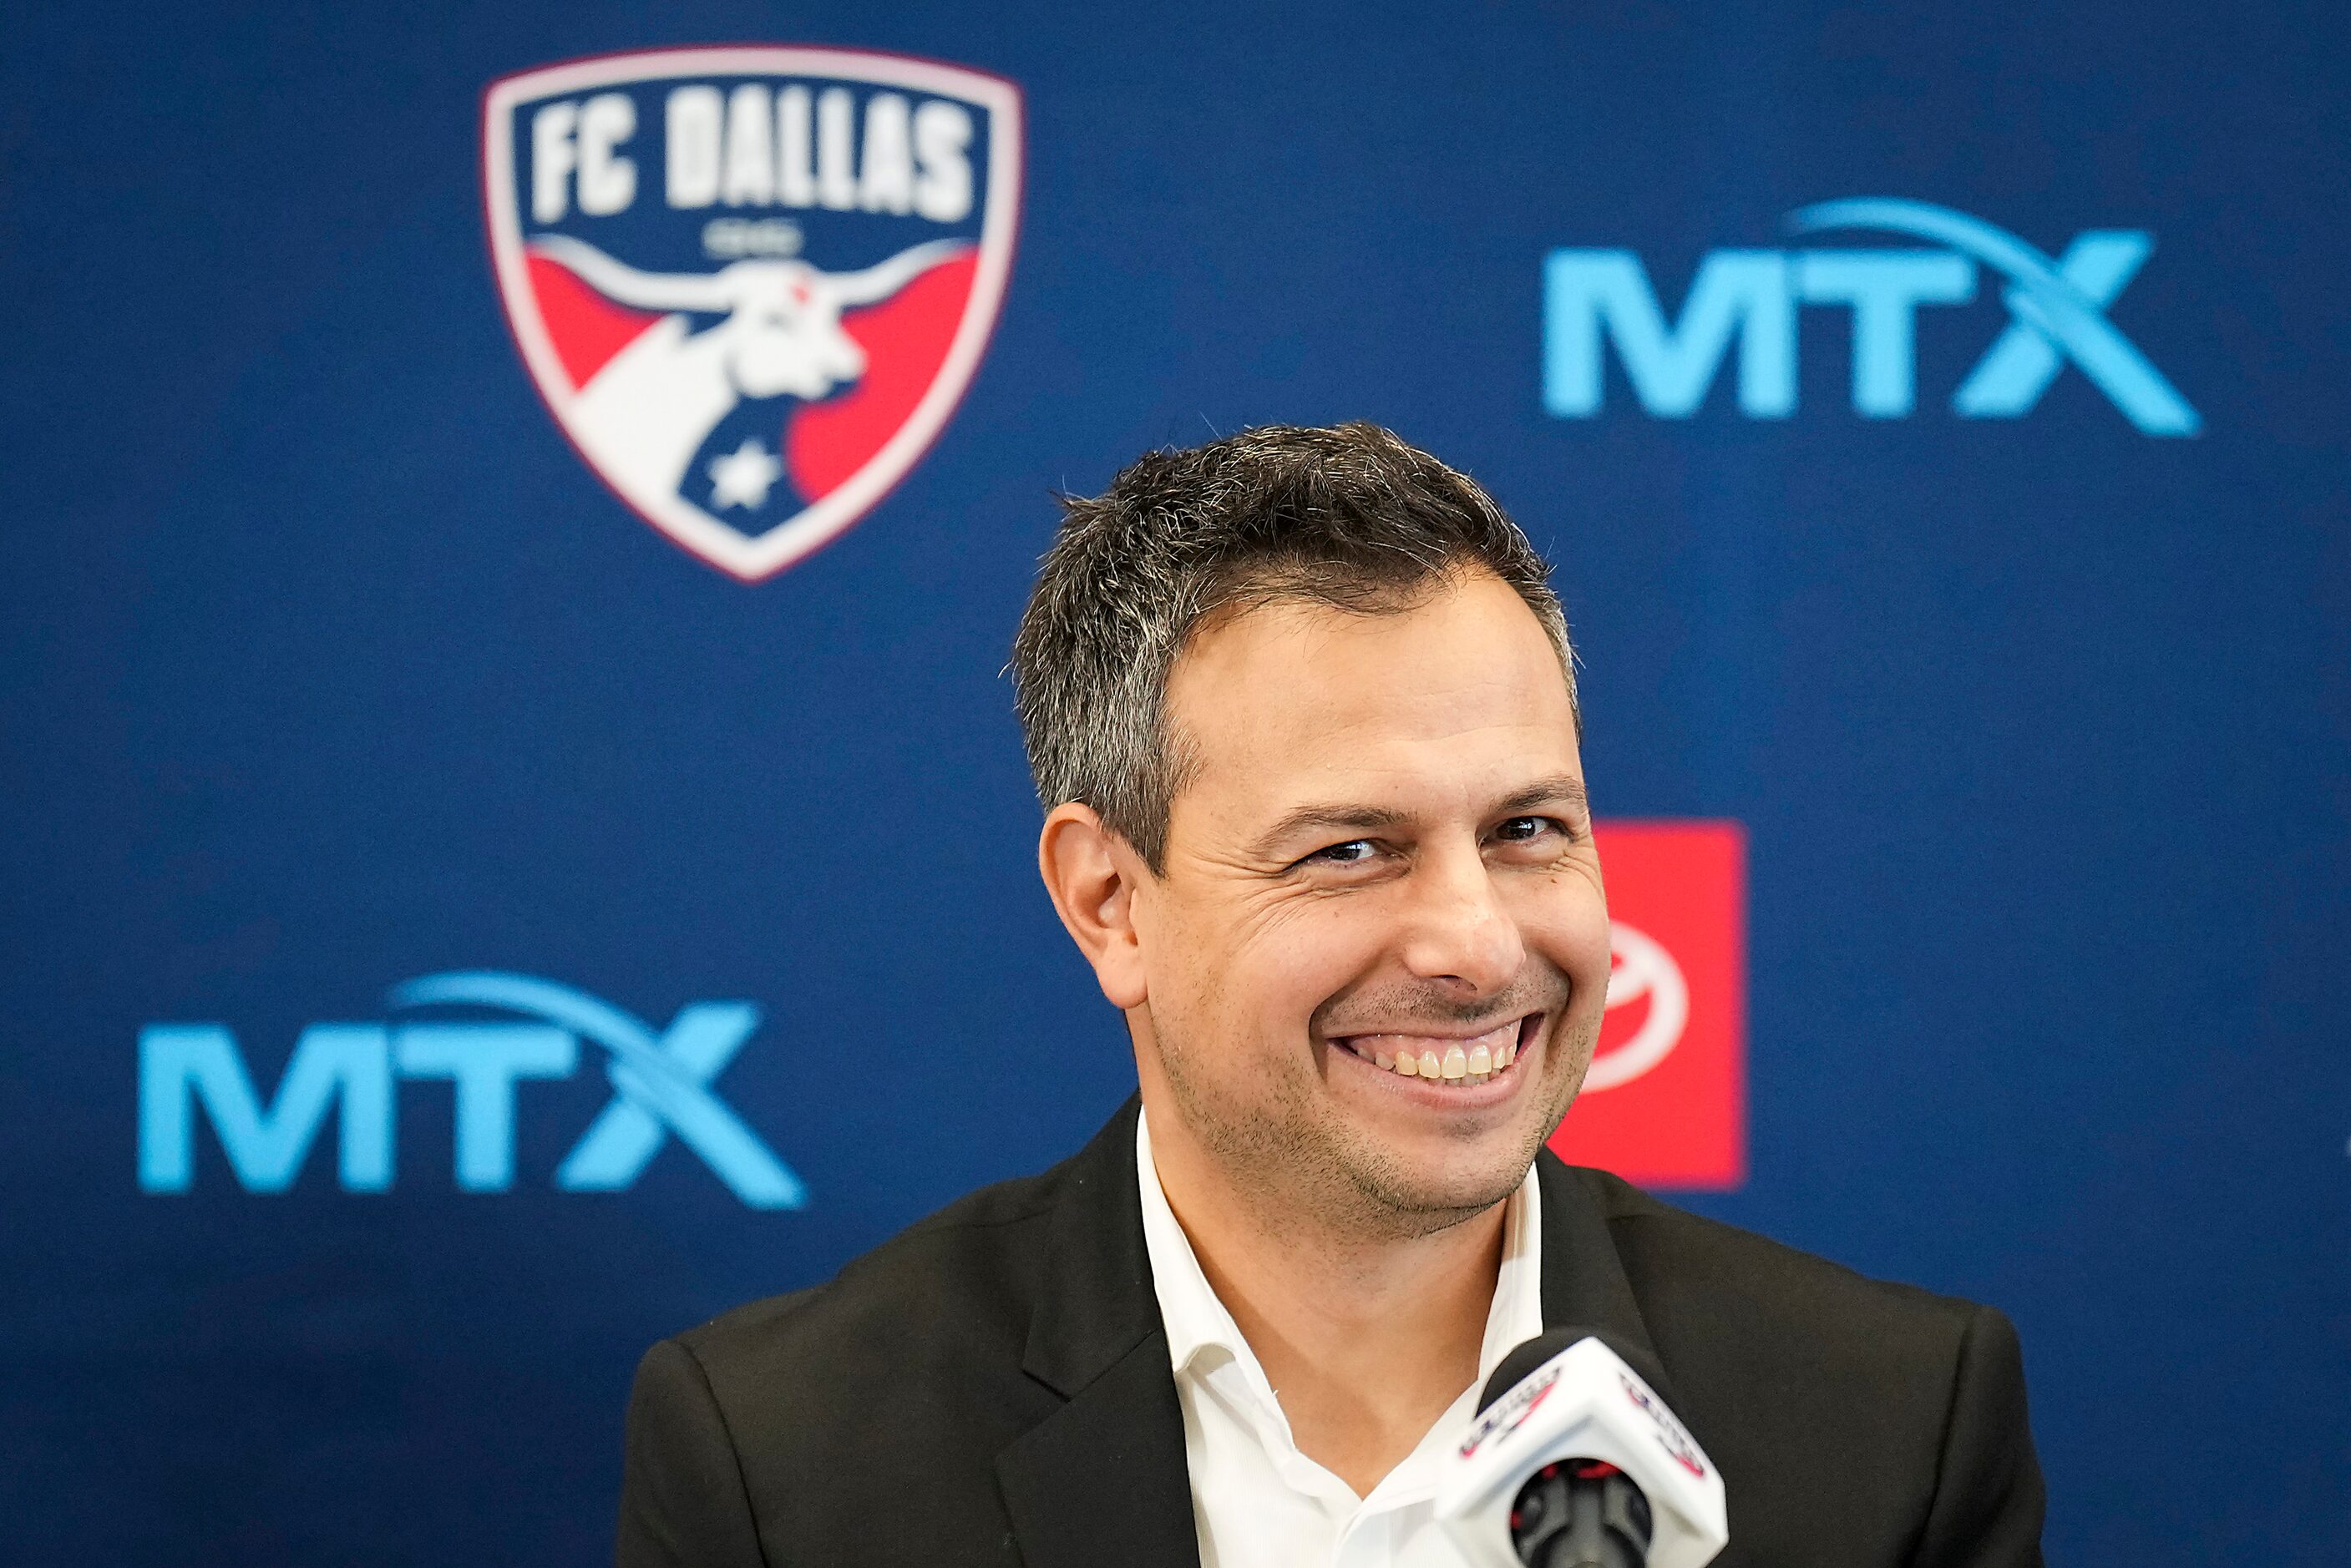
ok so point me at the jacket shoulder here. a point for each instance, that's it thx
(1682, 1263)
(952, 1290)
(908, 1363)
(1791, 1368)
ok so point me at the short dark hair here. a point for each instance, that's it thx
(1352, 516)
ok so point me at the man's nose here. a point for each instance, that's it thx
(1458, 928)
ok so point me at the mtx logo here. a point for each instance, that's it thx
(752, 284)
(660, 1079)
(2056, 310)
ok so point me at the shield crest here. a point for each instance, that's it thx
(751, 283)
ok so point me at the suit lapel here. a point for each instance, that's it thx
(1583, 1281)
(1105, 1478)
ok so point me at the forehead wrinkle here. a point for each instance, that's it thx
(1347, 726)
(1295, 636)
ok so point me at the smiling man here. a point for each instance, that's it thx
(1301, 709)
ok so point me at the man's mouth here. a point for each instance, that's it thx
(1446, 1059)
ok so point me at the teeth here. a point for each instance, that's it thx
(1475, 1062)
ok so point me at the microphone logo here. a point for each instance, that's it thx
(1511, 1412)
(1670, 1436)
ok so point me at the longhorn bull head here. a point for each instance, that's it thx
(781, 332)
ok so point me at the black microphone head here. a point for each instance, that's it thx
(1520, 1363)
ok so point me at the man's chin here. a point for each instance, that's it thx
(1410, 1209)
(1429, 1189)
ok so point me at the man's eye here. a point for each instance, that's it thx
(1354, 852)
(1526, 829)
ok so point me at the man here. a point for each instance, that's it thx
(1301, 709)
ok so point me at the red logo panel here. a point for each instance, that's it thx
(1666, 1103)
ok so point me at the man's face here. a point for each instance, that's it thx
(1382, 851)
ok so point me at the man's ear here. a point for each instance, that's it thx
(1092, 876)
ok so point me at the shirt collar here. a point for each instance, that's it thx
(1197, 1320)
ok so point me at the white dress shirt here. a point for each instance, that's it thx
(1257, 1501)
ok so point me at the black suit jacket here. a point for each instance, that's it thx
(992, 1386)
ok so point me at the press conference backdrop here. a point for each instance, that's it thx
(516, 838)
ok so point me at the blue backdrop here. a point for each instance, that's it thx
(329, 665)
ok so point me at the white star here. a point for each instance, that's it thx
(742, 478)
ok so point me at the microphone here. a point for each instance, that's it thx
(1574, 1462)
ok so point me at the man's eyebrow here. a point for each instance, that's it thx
(1560, 789)
(1359, 818)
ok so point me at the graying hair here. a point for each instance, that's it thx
(1353, 518)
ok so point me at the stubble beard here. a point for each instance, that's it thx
(1304, 1168)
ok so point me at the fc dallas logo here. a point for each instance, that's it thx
(752, 284)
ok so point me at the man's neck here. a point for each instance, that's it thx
(1366, 1338)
